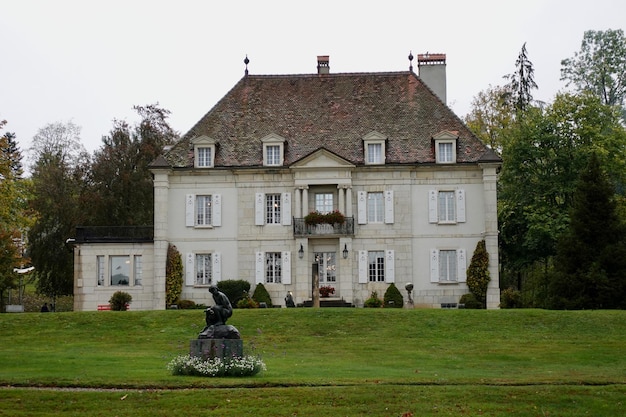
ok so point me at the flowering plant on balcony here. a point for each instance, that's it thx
(315, 217)
(326, 291)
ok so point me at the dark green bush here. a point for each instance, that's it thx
(173, 275)
(119, 301)
(235, 289)
(470, 301)
(261, 295)
(393, 298)
(373, 301)
(510, 298)
(186, 304)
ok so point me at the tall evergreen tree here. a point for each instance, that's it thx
(590, 266)
(522, 81)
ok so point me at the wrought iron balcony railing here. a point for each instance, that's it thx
(114, 234)
(300, 228)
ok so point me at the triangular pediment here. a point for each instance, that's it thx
(446, 135)
(322, 158)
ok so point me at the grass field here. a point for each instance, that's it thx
(320, 362)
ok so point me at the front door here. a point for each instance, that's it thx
(327, 268)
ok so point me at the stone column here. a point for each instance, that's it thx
(298, 203)
(491, 232)
(305, 201)
(341, 205)
(348, 212)
(161, 197)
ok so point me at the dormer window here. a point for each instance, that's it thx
(204, 152)
(374, 148)
(273, 150)
(445, 147)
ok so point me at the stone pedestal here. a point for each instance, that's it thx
(216, 348)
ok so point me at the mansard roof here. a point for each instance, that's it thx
(331, 111)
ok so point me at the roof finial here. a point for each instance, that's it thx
(411, 61)
(246, 61)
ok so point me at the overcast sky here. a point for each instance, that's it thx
(90, 62)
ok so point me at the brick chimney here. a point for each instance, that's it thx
(323, 64)
(432, 70)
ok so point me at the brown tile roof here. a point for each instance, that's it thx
(334, 111)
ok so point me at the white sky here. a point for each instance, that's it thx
(91, 62)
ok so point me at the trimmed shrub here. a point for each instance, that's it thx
(478, 273)
(173, 275)
(186, 304)
(470, 301)
(510, 298)
(373, 301)
(247, 302)
(119, 300)
(393, 298)
(261, 295)
(235, 289)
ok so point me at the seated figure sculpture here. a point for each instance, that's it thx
(216, 316)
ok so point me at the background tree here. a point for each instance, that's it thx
(521, 82)
(599, 66)
(14, 217)
(121, 184)
(58, 179)
(590, 266)
(491, 116)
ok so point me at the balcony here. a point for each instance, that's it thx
(114, 234)
(301, 229)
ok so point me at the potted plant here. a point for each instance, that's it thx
(315, 217)
(326, 291)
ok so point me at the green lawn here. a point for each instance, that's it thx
(321, 362)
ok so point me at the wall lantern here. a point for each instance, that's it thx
(301, 252)
(345, 251)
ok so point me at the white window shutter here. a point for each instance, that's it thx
(190, 212)
(432, 206)
(361, 205)
(434, 265)
(217, 209)
(286, 209)
(190, 270)
(259, 273)
(286, 260)
(390, 268)
(389, 206)
(259, 209)
(460, 206)
(461, 264)
(217, 267)
(362, 267)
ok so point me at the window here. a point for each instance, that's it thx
(446, 209)
(375, 207)
(446, 206)
(273, 267)
(327, 267)
(324, 202)
(272, 208)
(203, 210)
(448, 266)
(100, 268)
(204, 151)
(273, 150)
(374, 147)
(138, 269)
(205, 157)
(119, 267)
(376, 266)
(445, 153)
(204, 270)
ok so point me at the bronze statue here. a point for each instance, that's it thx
(216, 316)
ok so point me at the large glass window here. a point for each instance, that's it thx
(205, 157)
(324, 202)
(119, 270)
(272, 154)
(273, 267)
(204, 213)
(445, 154)
(138, 269)
(447, 266)
(375, 153)
(204, 271)
(327, 262)
(100, 272)
(376, 266)
(272, 208)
